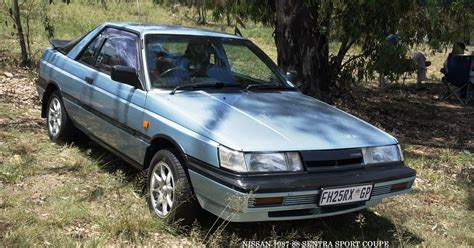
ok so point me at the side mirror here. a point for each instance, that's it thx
(126, 75)
(291, 75)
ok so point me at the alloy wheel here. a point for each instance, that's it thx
(54, 117)
(162, 189)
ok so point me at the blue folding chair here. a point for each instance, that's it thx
(456, 78)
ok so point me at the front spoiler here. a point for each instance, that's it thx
(235, 206)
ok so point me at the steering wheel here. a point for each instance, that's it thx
(169, 72)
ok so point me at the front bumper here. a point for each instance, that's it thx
(233, 199)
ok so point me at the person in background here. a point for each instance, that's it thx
(392, 38)
(421, 64)
(458, 49)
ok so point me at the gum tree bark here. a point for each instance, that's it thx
(301, 37)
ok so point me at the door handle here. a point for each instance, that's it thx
(89, 80)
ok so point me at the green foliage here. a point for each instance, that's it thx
(365, 24)
(46, 20)
(29, 10)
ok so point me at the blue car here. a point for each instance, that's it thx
(216, 125)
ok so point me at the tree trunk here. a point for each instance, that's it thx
(227, 15)
(21, 36)
(467, 29)
(302, 44)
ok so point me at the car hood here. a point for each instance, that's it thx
(270, 121)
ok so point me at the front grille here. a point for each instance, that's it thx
(332, 209)
(292, 200)
(299, 200)
(380, 190)
(330, 160)
(305, 212)
(339, 162)
(291, 213)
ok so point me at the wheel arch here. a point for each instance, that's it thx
(160, 142)
(50, 88)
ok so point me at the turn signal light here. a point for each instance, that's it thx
(399, 186)
(268, 201)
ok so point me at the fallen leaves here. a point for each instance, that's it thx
(415, 117)
(18, 87)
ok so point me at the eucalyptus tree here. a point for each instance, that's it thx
(355, 30)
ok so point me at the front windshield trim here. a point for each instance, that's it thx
(280, 79)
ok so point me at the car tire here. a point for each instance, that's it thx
(169, 194)
(60, 127)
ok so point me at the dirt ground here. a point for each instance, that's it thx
(418, 117)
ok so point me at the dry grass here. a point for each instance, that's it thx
(79, 194)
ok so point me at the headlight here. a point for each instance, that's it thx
(232, 160)
(268, 162)
(382, 154)
(260, 162)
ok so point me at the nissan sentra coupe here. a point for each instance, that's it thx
(216, 124)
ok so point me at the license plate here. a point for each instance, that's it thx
(343, 195)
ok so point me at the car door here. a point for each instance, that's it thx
(72, 76)
(116, 109)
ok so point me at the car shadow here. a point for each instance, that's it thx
(107, 161)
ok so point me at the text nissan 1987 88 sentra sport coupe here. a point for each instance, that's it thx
(216, 124)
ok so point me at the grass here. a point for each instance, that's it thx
(79, 194)
(66, 194)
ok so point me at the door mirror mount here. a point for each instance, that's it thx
(126, 75)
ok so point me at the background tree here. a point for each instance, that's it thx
(357, 30)
(14, 13)
(21, 15)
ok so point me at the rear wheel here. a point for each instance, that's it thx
(58, 123)
(169, 193)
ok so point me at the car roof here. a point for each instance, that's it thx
(155, 28)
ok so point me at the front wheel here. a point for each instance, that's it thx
(58, 123)
(169, 193)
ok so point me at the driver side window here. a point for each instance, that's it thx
(89, 55)
(120, 48)
(112, 47)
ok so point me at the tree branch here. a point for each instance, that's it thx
(356, 57)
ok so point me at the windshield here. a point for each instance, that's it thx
(179, 60)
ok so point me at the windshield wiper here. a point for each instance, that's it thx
(266, 86)
(197, 86)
